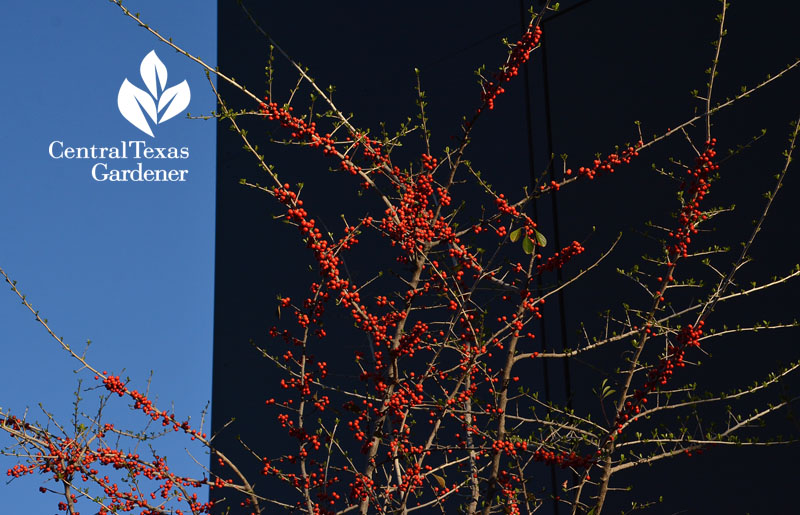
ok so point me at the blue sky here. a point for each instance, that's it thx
(128, 265)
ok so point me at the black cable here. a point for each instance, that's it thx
(556, 225)
(534, 211)
(562, 12)
(496, 33)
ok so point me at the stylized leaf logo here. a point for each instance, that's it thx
(134, 102)
(179, 96)
(151, 68)
(129, 99)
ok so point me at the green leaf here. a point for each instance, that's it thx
(540, 239)
(515, 234)
(527, 245)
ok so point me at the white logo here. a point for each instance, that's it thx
(132, 100)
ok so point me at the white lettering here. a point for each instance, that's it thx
(104, 174)
(100, 173)
(53, 144)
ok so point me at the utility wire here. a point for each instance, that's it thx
(523, 22)
(554, 204)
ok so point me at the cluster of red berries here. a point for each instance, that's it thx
(607, 164)
(301, 130)
(307, 133)
(519, 55)
(660, 374)
(559, 259)
(689, 336)
(509, 486)
(115, 385)
(505, 208)
(66, 457)
(415, 225)
(697, 188)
